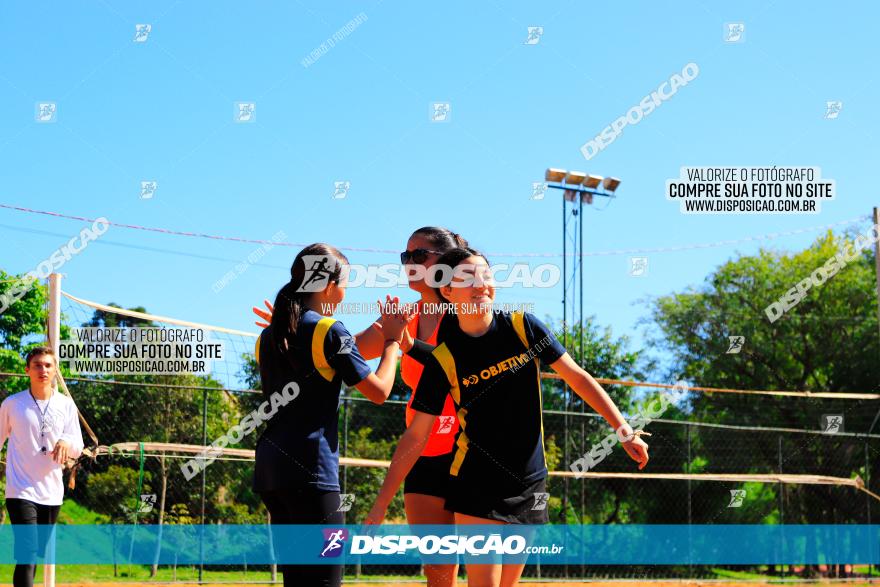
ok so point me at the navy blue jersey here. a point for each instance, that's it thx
(300, 446)
(494, 381)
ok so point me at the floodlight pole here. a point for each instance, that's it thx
(578, 194)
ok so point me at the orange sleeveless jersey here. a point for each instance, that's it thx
(443, 433)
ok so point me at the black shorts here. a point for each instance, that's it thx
(429, 476)
(514, 504)
(305, 506)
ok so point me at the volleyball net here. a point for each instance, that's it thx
(152, 465)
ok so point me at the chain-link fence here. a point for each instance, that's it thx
(151, 487)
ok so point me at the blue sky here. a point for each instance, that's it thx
(163, 110)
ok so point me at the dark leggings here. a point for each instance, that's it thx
(31, 526)
(305, 506)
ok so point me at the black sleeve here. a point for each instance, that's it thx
(544, 342)
(432, 389)
(421, 351)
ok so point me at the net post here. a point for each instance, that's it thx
(53, 336)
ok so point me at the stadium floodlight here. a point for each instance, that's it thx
(575, 177)
(593, 181)
(610, 183)
(554, 175)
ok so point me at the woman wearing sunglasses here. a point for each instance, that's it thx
(488, 362)
(424, 491)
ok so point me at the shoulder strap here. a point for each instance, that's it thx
(318, 358)
(519, 325)
(447, 363)
(257, 348)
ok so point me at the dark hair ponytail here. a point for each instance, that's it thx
(442, 239)
(326, 264)
(452, 258)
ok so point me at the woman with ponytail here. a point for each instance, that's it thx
(424, 491)
(305, 351)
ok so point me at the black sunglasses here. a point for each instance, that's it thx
(416, 255)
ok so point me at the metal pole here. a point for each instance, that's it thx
(877, 258)
(204, 443)
(781, 497)
(53, 335)
(580, 262)
(868, 485)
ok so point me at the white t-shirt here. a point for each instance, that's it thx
(30, 473)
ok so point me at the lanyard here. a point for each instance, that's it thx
(42, 414)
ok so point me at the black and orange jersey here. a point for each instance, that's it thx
(300, 445)
(494, 381)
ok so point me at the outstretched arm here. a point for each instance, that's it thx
(597, 398)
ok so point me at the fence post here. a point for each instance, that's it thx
(781, 496)
(204, 473)
(689, 505)
(868, 497)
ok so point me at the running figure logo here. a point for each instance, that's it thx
(541, 500)
(736, 344)
(340, 189)
(832, 423)
(736, 498)
(832, 109)
(148, 500)
(538, 189)
(245, 112)
(334, 541)
(638, 266)
(346, 345)
(46, 111)
(734, 32)
(535, 33)
(148, 189)
(440, 112)
(141, 32)
(319, 268)
(346, 500)
(445, 424)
